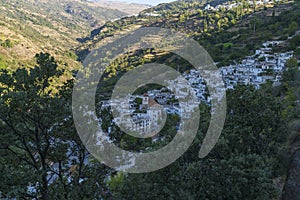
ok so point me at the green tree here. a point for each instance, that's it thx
(7, 43)
(39, 145)
(293, 27)
(32, 116)
(292, 63)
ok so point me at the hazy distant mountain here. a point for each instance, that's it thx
(130, 8)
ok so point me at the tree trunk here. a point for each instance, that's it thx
(291, 190)
(44, 190)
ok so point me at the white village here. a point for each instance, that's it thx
(144, 117)
(230, 5)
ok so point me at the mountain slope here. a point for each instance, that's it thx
(130, 8)
(30, 26)
(209, 22)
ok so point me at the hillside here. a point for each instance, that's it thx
(130, 8)
(249, 161)
(241, 25)
(46, 147)
(228, 31)
(29, 27)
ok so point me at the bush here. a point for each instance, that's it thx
(7, 43)
(283, 37)
(3, 63)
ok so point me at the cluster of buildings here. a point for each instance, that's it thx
(146, 113)
(231, 5)
(257, 69)
(144, 116)
(136, 113)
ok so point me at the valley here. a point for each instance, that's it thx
(49, 151)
